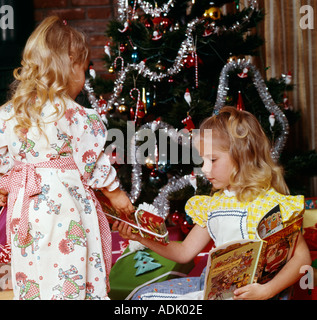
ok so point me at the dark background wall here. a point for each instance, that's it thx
(13, 40)
(89, 16)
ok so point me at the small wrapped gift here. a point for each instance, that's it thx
(145, 220)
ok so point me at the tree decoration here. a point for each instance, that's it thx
(188, 122)
(162, 203)
(147, 7)
(92, 72)
(125, 27)
(188, 97)
(136, 179)
(186, 46)
(140, 110)
(91, 95)
(213, 13)
(264, 94)
(107, 50)
(116, 61)
(240, 103)
(272, 120)
(145, 263)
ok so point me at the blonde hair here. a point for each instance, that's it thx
(242, 136)
(47, 65)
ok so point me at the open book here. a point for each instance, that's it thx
(237, 264)
(145, 220)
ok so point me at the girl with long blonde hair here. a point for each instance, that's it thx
(60, 238)
(247, 184)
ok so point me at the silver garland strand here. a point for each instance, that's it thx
(91, 95)
(264, 94)
(123, 8)
(136, 166)
(162, 203)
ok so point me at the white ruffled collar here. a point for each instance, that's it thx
(229, 194)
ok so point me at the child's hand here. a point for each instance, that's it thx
(125, 231)
(254, 291)
(3, 198)
(119, 201)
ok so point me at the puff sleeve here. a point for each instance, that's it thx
(89, 135)
(197, 208)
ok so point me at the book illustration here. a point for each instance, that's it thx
(145, 220)
(280, 248)
(232, 269)
(239, 263)
(270, 223)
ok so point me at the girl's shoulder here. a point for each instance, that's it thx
(198, 207)
(6, 110)
(75, 111)
(291, 207)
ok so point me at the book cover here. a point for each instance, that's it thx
(244, 262)
(145, 220)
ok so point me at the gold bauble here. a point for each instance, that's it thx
(213, 13)
(122, 108)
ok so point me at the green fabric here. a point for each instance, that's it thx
(123, 277)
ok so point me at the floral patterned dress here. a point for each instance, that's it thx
(60, 239)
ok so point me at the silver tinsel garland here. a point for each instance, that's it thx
(136, 166)
(187, 46)
(91, 95)
(162, 203)
(264, 94)
(154, 11)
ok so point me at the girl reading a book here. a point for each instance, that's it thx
(247, 184)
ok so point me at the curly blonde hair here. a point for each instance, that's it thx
(47, 66)
(242, 136)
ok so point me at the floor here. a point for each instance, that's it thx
(6, 295)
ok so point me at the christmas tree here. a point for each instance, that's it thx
(175, 62)
(145, 263)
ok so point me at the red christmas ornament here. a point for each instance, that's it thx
(189, 61)
(189, 124)
(157, 20)
(185, 226)
(176, 218)
(148, 23)
(131, 113)
(140, 112)
(122, 47)
(165, 23)
(240, 103)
